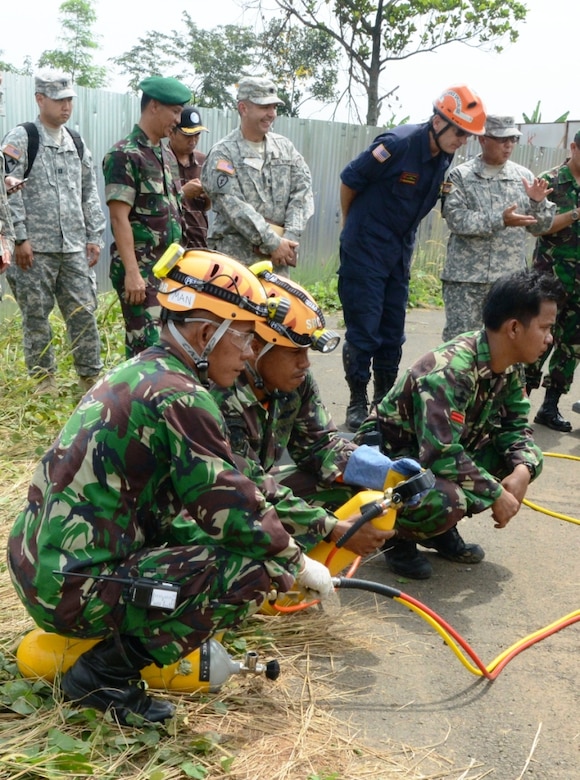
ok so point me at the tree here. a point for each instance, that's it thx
(373, 33)
(302, 61)
(78, 42)
(208, 61)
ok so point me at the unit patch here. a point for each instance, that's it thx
(409, 178)
(457, 417)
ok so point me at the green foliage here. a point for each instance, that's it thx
(77, 18)
(303, 62)
(372, 35)
(536, 116)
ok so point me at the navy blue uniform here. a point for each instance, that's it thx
(398, 182)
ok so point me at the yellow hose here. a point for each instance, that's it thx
(549, 512)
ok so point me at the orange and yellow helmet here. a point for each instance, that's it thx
(202, 279)
(303, 325)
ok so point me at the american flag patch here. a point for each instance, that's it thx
(225, 166)
(457, 417)
(381, 153)
(12, 151)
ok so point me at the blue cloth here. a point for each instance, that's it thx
(369, 468)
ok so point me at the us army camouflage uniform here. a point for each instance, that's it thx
(468, 425)
(59, 212)
(248, 193)
(559, 254)
(147, 442)
(6, 226)
(146, 177)
(299, 422)
(481, 248)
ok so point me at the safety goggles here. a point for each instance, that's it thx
(241, 339)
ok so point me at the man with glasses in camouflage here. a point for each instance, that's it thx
(490, 204)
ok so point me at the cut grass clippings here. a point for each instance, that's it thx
(253, 729)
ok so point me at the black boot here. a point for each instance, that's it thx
(107, 677)
(403, 558)
(450, 545)
(383, 381)
(549, 414)
(358, 405)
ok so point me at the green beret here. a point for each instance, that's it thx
(166, 90)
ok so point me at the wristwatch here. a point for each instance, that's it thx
(575, 214)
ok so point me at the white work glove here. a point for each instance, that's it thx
(315, 576)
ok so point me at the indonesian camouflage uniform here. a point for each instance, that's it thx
(250, 193)
(480, 247)
(145, 443)
(469, 425)
(298, 422)
(59, 212)
(146, 177)
(559, 254)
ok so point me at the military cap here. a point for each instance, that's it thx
(190, 123)
(257, 90)
(500, 126)
(168, 90)
(54, 84)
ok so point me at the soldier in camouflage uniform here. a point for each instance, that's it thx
(558, 252)
(59, 223)
(96, 535)
(259, 185)
(143, 192)
(274, 405)
(490, 204)
(6, 226)
(461, 411)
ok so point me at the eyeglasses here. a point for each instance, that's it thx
(242, 339)
(510, 139)
(461, 133)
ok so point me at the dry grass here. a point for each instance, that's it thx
(253, 729)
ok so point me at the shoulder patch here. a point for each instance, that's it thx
(457, 417)
(225, 166)
(381, 153)
(12, 151)
(446, 187)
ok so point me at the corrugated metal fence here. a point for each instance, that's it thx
(103, 117)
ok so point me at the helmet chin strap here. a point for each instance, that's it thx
(253, 370)
(436, 135)
(201, 362)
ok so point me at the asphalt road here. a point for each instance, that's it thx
(412, 689)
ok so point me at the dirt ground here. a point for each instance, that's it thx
(412, 689)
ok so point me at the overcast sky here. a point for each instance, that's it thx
(542, 65)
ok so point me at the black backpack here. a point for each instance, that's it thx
(34, 142)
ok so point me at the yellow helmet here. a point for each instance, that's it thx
(463, 108)
(303, 325)
(202, 279)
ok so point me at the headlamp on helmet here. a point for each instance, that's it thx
(303, 324)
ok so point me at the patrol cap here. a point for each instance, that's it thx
(190, 122)
(258, 90)
(55, 84)
(500, 126)
(167, 90)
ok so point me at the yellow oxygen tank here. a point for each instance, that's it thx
(342, 557)
(46, 655)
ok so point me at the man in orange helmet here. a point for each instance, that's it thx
(385, 192)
